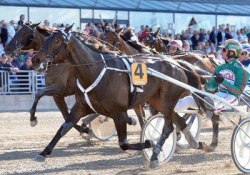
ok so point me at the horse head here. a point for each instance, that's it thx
(53, 50)
(112, 37)
(157, 42)
(23, 39)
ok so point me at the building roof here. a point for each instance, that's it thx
(230, 7)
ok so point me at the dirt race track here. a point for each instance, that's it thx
(20, 143)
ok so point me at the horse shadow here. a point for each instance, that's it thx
(94, 166)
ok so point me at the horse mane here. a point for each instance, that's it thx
(141, 48)
(165, 40)
(93, 43)
(46, 32)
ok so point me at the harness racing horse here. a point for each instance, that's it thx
(159, 43)
(60, 80)
(31, 37)
(104, 87)
(203, 65)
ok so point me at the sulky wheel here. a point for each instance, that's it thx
(103, 128)
(193, 121)
(152, 131)
(240, 145)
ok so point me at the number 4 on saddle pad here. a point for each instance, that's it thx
(139, 74)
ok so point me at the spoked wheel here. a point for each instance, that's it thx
(152, 130)
(103, 128)
(240, 146)
(193, 122)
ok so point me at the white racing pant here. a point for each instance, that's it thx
(189, 102)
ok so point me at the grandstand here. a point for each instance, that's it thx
(230, 7)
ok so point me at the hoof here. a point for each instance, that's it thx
(154, 164)
(149, 144)
(33, 123)
(133, 122)
(178, 136)
(39, 158)
(214, 145)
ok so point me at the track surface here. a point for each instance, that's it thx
(20, 143)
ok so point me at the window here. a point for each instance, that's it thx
(55, 15)
(13, 13)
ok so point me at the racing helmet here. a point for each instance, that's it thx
(176, 43)
(233, 45)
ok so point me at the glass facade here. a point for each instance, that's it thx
(13, 13)
(153, 19)
(203, 21)
(86, 13)
(55, 15)
(237, 21)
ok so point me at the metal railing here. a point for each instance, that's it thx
(22, 82)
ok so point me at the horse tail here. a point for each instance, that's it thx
(194, 80)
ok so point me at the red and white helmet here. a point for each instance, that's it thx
(176, 43)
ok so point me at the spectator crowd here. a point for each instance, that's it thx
(191, 39)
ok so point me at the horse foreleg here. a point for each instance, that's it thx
(167, 130)
(120, 121)
(49, 91)
(215, 121)
(75, 115)
(62, 106)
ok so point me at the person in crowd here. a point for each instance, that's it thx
(20, 23)
(55, 26)
(139, 34)
(24, 75)
(3, 36)
(11, 30)
(13, 62)
(228, 34)
(174, 47)
(242, 36)
(195, 40)
(5, 65)
(229, 80)
(27, 65)
(186, 46)
(221, 35)
(244, 59)
(145, 33)
(212, 36)
(46, 24)
(202, 35)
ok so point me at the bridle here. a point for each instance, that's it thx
(48, 51)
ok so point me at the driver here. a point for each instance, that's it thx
(174, 47)
(229, 79)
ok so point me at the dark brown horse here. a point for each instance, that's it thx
(157, 42)
(110, 94)
(31, 37)
(203, 65)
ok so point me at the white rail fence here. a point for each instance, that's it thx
(17, 92)
(22, 82)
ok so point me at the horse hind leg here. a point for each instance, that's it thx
(215, 121)
(120, 121)
(167, 130)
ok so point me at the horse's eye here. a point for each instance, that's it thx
(57, 41)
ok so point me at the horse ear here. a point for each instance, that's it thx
(157, 31)
(34, 25)
(118, 31)
(67, 29)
